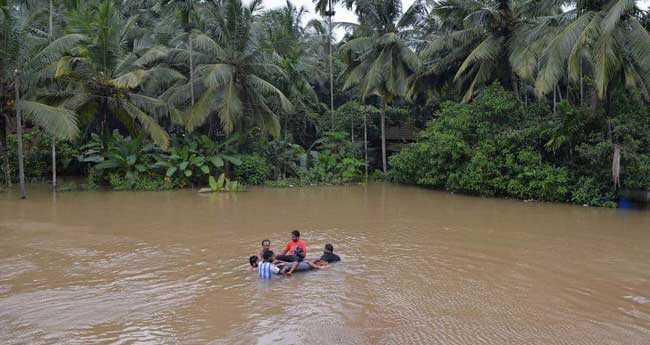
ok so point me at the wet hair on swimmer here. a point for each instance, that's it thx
(267, 255)
(329, 247)
(295, 233)
(253, 260)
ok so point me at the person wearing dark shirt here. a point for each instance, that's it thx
(327, 258)
(328, 254)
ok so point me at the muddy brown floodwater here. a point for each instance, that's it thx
(419, 267)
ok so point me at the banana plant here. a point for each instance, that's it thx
(223, 184)
(129, 157)
(93, 151)
(193, 158)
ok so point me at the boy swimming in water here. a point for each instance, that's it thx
(253, 260)
(267, 269)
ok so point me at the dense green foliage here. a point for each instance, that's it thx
(334, 162)
(496, 146)
(37, 159)
(253, 170)
(157, 94)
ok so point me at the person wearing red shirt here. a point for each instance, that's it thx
(293, 243)
(294, 251)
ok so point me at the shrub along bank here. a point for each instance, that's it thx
(497, 146)
(132, 163)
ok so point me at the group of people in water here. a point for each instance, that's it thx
(293, 258)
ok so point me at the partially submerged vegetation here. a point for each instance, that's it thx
(534, 100)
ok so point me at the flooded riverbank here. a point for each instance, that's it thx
(418, 267)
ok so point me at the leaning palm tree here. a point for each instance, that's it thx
(607, 36)
(102, 78)
(381, 61)
(234, 74)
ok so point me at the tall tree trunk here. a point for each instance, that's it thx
(53, 163)
(286, 125)
(189, 36)
(51, 25)
(329, 44)
(515, 86)
(105, 127)
(383, 135)
(19, 130)
(49, 38)
(568, 85)
(554, 97)
(581, 87)
(525, 87)
(365, 142)
(4, 151)
(352, 128)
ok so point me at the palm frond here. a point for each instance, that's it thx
(206, 44)
(230, 107)
(615, 13)
(488, 50)
(150, 126)
(155, 107)
(588, 35)
(77, 100)
(152, 55)
(267, 88)
(635, 80)
(638, 40)
(607, 62)
(125, 64)
(482, 75)
(216, 75)
(557, 53)
(57, 121)
(201, 110)
(130, 80)
(56, 49)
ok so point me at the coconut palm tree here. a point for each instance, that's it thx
(317, 45)
(8, 45)
(183, 11)
(22, 41)
(381, 60)
(234, 73)
(610, 40)
(608, 37)
(326, 8)
(480, 41)
(284, 36)
(102, 78)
